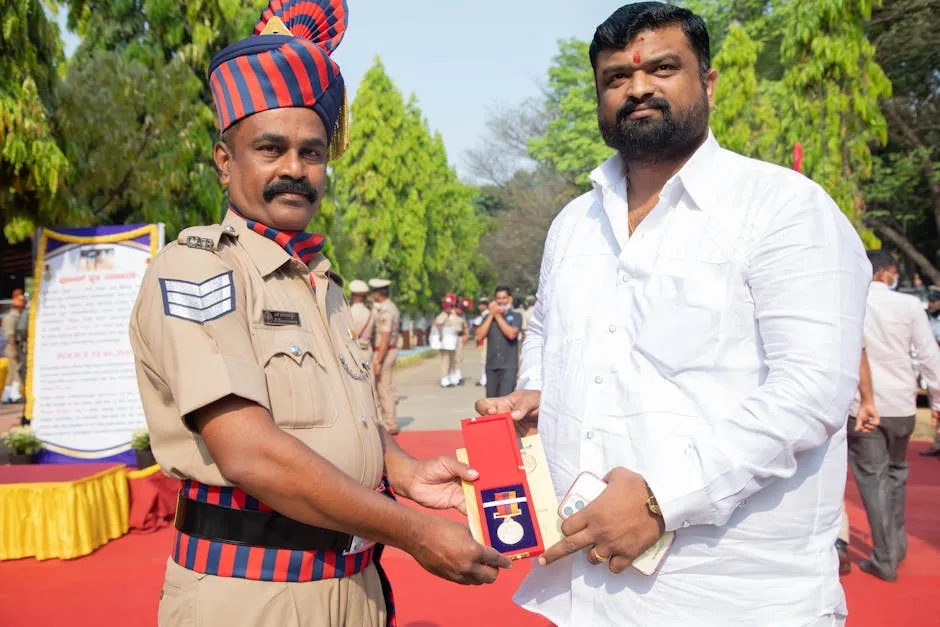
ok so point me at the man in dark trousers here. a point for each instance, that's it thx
(501, 331)
(894, 323)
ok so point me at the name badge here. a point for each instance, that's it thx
(281, 318)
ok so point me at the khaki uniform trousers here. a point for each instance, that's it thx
(449, 363)
(13, 371)
(385, 388)
(191, 598)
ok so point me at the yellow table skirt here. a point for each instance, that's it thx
(64, 519)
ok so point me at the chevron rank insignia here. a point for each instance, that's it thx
(199, 302)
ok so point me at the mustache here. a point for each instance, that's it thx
(290, 186)
(650, 103)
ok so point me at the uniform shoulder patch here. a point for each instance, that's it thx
(199, 302)
(201, 237)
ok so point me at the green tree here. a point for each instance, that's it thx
(832, 89)
(189, 31)
(143, 157)
(760, 18)
(31, 164)
(521, 203)
(148, 154)
(396, 207)
(903, 196)
(743, 120)
(572, 143)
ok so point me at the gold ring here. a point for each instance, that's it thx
(597, 558)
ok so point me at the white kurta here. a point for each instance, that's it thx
(716, 353)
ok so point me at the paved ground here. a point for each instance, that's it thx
(424, 406)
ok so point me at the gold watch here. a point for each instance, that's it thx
(652, 504)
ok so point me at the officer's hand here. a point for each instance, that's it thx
(435, 483)
(450, 552)
(523, 405)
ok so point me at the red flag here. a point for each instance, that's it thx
(798, 157)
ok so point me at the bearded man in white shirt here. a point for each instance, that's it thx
(713, 370)
(894, 324)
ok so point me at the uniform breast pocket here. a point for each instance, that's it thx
(684, 312)
(298, 379)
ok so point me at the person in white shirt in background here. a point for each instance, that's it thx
(933, 315)
(452, 329)
(894, 324)
(696, 339)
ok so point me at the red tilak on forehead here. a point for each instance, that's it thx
(636, 55)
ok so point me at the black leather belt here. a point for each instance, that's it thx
(246, 527)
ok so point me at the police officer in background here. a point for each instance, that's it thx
(363, 320)
(255, 390)
(387, 326)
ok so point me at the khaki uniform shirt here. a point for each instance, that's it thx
(363, 325)
(452, 320)
(225, 311)
(387, 320)
(9, 331)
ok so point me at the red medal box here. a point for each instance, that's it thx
(502, 496)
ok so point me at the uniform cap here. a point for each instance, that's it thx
(379, 283)
(286, 63)
(450, 299)
(358, 287)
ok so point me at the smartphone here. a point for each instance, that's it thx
(587, 487)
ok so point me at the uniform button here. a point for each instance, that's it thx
(598, 379)
(295, 351)
(612, 328)
(624, 278)
(365, 421)
(589, 435)
(228, 228)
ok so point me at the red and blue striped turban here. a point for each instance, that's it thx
(290, 68)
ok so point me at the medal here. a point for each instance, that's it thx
(507, 507)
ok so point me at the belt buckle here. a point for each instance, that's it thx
(357, 545)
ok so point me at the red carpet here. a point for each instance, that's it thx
(120, 583)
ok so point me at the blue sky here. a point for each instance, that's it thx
(461, 57)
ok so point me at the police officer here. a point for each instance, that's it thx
(464, 307)
(363, 320)
(255, 390)
(387, 325)
(14, 350)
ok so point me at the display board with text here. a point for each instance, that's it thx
(82, 395)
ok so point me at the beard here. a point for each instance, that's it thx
(672, 136)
